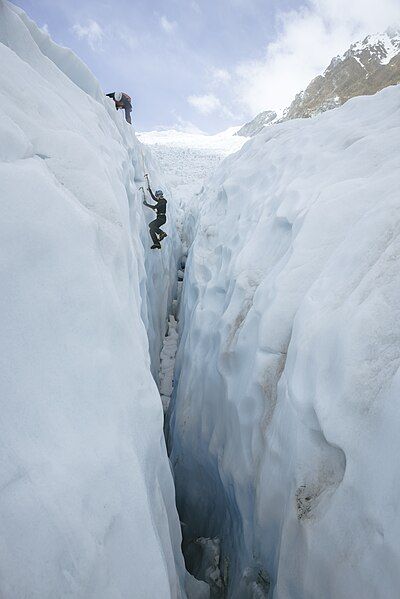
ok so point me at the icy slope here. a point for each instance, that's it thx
(86, 494)
(286, 414)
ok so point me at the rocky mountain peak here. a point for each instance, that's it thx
(368, 66)
(364, 69)
(257, 124)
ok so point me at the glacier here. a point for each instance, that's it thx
(87, 504)
(285, 412)
(188, 160)
(282, 400)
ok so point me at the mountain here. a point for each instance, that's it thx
(366, 68)
(257, 124)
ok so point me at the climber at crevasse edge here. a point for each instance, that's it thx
(156, 234)
(122, 100)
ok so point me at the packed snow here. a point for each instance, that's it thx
(285, 411)
(167, 362)
(87, 498)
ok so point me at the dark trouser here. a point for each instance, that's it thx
(128, 115)
(154, 227)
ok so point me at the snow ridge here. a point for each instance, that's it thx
(86, 492)
(285, 413)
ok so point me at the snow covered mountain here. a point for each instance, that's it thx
(257, 124)
(87, 499)
(366, 68)
(285, 416)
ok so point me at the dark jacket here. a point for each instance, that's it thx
(161, 204)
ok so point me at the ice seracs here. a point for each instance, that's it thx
(86, 493)
(189, 159)
(283, 423)
(285, 413)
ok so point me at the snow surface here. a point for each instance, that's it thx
(285, 416)
(189, 159)
(86, 493)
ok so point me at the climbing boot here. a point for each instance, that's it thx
(156, 246)
(162, 235)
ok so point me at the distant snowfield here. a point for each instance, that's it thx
(189, 159)
(224, 143)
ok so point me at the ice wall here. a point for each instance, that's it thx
(286, 415)
(86, 494)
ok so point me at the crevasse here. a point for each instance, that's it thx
(282, 427)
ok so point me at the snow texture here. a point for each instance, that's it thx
(167, 362)
(86, 493)
(285, 415)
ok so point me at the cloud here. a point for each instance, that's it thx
(92, 32)
(308, 38)
(167, 25)
(187, 126)
(209, 103)
(220, 75)
(205, 104)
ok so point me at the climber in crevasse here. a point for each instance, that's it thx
(122, 100)
(160, 208)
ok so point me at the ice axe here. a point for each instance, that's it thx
(144, 195)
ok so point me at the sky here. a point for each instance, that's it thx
(206, 65)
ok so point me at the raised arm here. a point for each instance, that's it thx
(150, 190)
(153, 197)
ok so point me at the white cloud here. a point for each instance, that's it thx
(205, 104)
(308, 38)
(167, 25)
(209, 103)
(92, 32)
(220, 75)
(187, 127)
